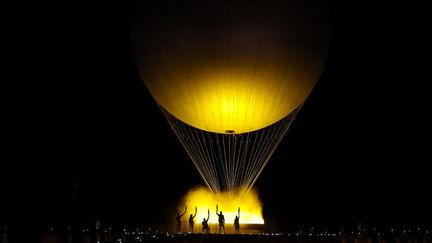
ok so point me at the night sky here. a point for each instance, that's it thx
(77, 110)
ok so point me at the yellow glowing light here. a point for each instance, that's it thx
(203, 199)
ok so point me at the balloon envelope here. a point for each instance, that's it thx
(231, 67)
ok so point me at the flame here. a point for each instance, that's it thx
(228, 202)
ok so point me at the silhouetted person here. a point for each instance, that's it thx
(237, 222)
(205, 226)
(191, 221)
(221, 220)
(178, 217)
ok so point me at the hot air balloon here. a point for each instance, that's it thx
(230, 76)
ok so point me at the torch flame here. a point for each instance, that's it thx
(228, 202)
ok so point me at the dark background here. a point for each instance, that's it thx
(77, 110)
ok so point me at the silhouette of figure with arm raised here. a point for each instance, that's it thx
(191, 221)
(221, 220)
(205, 226)
(178, 217)
(237, 222)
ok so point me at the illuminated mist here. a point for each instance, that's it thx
(203, 199)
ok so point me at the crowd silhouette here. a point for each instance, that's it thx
(205, 221)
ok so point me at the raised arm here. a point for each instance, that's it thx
(184, 212)
(195, 212)
(208, 214)
(239, 212)
(217, 209)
